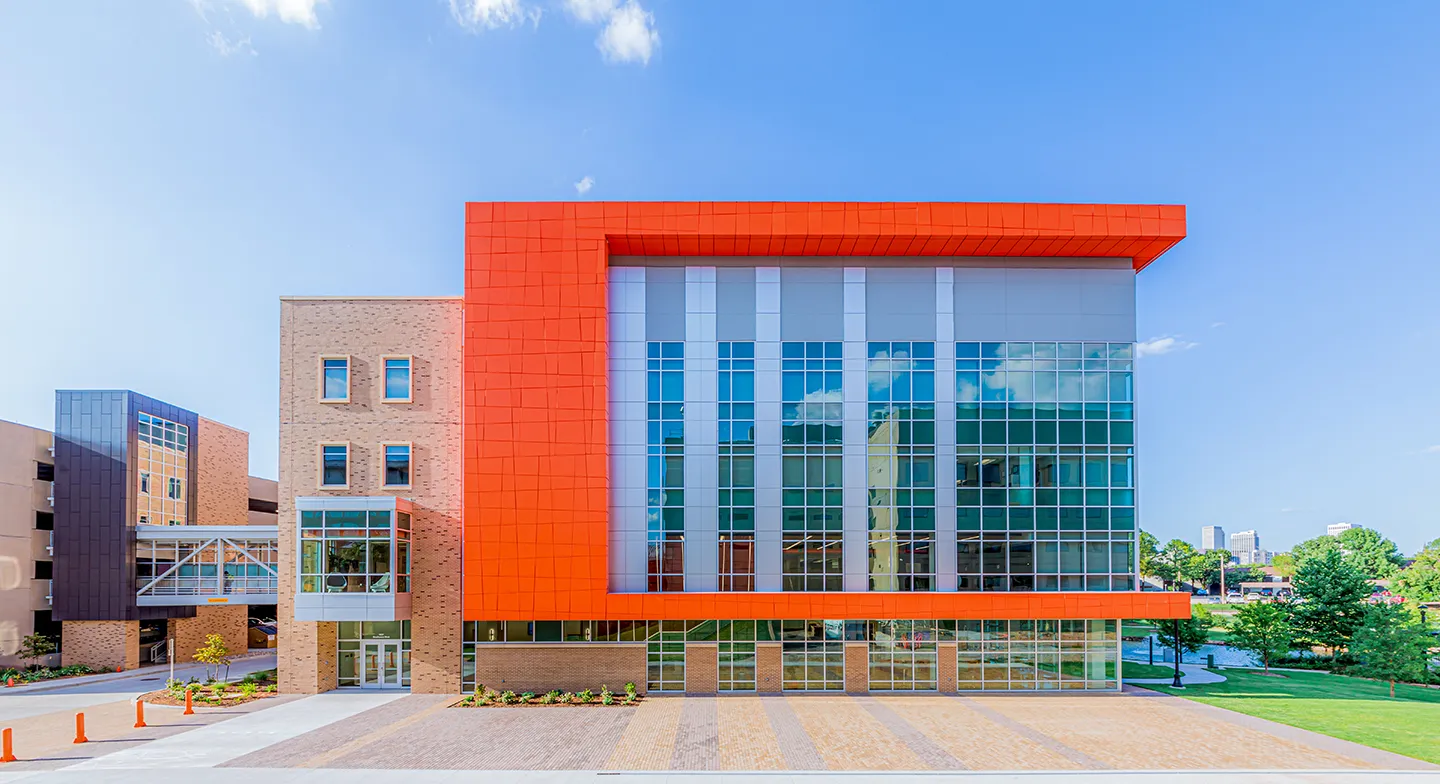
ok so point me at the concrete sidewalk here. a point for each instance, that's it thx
(134, 680)
(329, 775)
(1191, 675)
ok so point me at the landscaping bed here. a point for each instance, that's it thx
(48, 673)
(216, 694)
(489, 698)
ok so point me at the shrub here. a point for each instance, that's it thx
(607, 697)
(271, 688)
(566, 698)
(526, 697)
(631, 692)
(585, 696)
(508, 697)
(248, 689)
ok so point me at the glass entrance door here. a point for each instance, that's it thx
(381, 665)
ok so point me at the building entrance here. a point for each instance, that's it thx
(385, 666)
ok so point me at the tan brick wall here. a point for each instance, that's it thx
(222, 475)
(108, 644)
(945, 661)
(857, 667)
(430, 331)
(540, 668)
(230, 622)
(21, 496)
(702, 668)
(768, 673)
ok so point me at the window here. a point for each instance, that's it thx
(1045, 466)
(46, 625)
(736, 426)
(162, 464)
(1035, 655)
(44, 570)
(397, 465)
(903, 656)
(44, 521)
(45, 472)
(335, 379)
(811, 419)
(334, 465)
(397, 379)
(354, 551)
(665, 466)
(900, 453)
(812, 656)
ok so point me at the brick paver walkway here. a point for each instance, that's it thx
(817, 732)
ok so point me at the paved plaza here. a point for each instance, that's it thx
(419, 738)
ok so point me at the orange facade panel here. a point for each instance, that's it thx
(536, 420)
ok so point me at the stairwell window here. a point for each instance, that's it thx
(334, 466)
(397, 379)
(335, 379)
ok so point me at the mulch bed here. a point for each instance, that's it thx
(536, 703)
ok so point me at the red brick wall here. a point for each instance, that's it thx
(540, 668)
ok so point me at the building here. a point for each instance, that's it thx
(152, 536)
(719, 447)
(1255, 558)
(27, 467)
(1335, 529)
(1212, 537)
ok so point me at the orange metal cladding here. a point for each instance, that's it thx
(536, 427)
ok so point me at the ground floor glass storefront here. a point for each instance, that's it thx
(374, 654)
(903, 655)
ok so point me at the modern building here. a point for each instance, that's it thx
(27, 467)
(725, 447)
(152, 538)
(1335, 529)
(1212, 537)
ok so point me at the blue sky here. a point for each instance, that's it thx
(169, 169)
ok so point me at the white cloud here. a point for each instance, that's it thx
(301, 12)
(584, 185)
(1162, 345)
(1287, 510)
(226, 47)
(475, 15)
(1432, 450)
(1217, 325)
(629, 34)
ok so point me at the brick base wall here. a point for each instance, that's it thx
(108, 644)
(435, 624)
(306, 653)
(702, 669)
(768, 672)
(230, 622)
(945, 661)
(857, 667)
(540, 668)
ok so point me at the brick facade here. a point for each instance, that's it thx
(108, 644)
(857, 667)
(230, 622)
(540, 668)
(768, 672)
(429, 331)
(702, 668)
(946, 662)
(222, 471)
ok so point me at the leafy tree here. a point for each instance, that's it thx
(1284, 565)
(1390, 645)
(1420, 581)
(1264, 629)
(35, 647)
(1334, 594)
(1363, 548)
(214, 655)
(1234, 573)
(1178, 561)
(1194, 632)
(1150, 563)
(1314, 548)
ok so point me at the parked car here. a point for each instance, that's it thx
(1233, 596)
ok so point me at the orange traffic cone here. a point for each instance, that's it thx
(80, 729)
(139, 714)
(7, 749)
(189, 709)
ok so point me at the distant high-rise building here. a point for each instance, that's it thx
(1212, 537)
(1244, 542)
(1335, 529)
(1255, 557)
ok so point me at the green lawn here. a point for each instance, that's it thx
(1133, 670)
(1347, 708)
(1140, 629)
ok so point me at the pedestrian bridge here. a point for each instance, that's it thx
(192, 565)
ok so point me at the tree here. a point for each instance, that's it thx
(1420, 581)
(1178, 561)
(1234, 573)
(214, 655)
(1264, 629)
(1284, 565)
(1314, 548)
(1374, 555)
(1334, 594)
(1194, 632)
(35, 647)
(1150, 563)
(1389, 645)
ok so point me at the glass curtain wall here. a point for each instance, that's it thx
(665, 469)
(900, 456)
(812, 421)
(736, 426)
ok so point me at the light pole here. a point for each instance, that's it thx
(1176, 683)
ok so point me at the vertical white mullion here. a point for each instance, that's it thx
(701, 436)
(945, 449)
(854, 454)
(767, 430)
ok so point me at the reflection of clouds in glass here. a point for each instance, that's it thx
(883, 364)
(821, 406)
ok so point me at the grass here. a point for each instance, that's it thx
(1137, 629)
(1351, 709)
(1133, 670)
